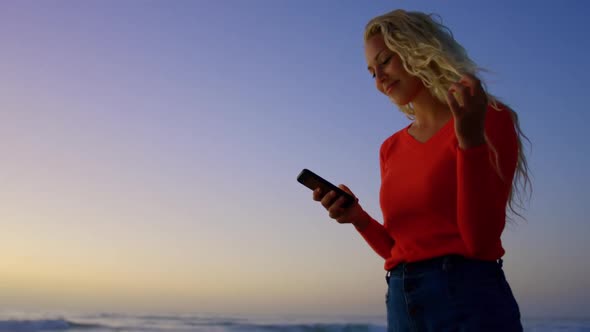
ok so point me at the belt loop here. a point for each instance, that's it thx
(500, 262)
(387, 277)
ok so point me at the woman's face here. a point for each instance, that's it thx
(391, 78)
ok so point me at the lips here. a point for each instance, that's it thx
(389, 87)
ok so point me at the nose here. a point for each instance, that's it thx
(380, 75)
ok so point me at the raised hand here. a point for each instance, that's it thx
(470, 114)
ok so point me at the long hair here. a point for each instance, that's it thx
(429, 51)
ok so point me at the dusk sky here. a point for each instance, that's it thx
(149, 152)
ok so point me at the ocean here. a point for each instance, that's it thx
(113, 322)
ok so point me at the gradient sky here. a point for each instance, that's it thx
(149, 152)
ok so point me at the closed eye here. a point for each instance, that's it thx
(386, 61)
(382, 63)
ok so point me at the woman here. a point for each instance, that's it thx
(446, 181)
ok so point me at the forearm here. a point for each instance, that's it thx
(481, 199)
(375, 235)
(468, 143)
(362, 222)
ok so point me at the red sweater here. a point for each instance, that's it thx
(439, 199)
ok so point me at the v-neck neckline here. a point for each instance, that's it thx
(432, 138)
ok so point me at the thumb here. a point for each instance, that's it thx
(345, 188)
(453, 104)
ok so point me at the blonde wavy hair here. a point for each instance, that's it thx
(429, 51)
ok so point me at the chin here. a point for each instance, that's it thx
(404, 97)
(400, 101)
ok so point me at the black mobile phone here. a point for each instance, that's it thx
(313, 181)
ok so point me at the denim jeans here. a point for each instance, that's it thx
(450, 293)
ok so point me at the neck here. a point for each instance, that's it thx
(429, 112)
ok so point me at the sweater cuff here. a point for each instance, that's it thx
(475, 154)
(473, 149)
(371, 229)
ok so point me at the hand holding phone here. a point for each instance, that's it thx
(349, 212)
(314, 181)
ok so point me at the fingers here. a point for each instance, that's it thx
(474, 94)
(463, 92)
(328, 199)
(346, 189)
(334, 203)
(336, 210)
(473, 83)
(317, 194)
(453, 103)
(331, 202)
(470, 91)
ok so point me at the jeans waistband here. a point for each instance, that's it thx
(444, 263)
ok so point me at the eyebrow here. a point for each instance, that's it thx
(375, 58)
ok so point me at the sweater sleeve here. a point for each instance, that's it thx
(377, 237)
(483, 189)
(375, 233)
